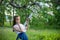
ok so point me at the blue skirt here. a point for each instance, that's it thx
(22, 36)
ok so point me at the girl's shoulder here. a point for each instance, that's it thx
(15, 26)
(22, 25)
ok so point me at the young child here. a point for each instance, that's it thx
(19, 28)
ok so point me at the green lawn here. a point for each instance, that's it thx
(7, 34)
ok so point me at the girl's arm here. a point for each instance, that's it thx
(27, 21)
(19, 30)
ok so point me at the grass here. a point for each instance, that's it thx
(8, 34)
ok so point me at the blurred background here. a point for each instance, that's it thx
(43, 25)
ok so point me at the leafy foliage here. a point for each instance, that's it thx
(46, 15)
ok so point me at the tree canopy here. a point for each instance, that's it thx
(45, 15)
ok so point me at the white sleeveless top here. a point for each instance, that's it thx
(21, 26)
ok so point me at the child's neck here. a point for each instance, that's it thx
(17, 23)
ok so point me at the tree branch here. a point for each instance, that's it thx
(24, 6)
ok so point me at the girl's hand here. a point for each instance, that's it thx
(27, 20)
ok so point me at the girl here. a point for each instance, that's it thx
(19, 28)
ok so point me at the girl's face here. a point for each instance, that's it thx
(18, 19)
